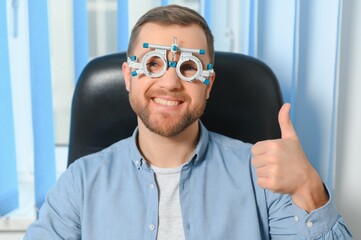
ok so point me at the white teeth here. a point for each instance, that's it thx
(166, 102)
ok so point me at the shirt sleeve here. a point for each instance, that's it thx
(286, 220)
(59, 217)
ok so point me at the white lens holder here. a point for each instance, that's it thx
(161, 53)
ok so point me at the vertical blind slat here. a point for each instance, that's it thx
(208, 12)
(123, 25)
(41, 97)
(331, 172)
(8, 173)
(253, 28)
(81, 42)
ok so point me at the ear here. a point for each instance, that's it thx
(126, 73)
(210, 85)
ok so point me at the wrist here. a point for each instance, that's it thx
(311, 195)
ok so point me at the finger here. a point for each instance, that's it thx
(258, 162)
(284, 120)
(263, 182)
(262, 172)
(259, 148)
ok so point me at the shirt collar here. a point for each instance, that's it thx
(135, 154)
(203, 141)
(199, 151)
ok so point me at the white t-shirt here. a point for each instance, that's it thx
(170, 216)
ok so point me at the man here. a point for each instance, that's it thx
(173, 179)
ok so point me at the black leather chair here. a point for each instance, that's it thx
(244, 103)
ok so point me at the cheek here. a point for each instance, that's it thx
(136, 86)
(199, 97)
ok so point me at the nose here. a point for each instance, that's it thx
(170, 80)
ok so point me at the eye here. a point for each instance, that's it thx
(154, 64)
(188, 68)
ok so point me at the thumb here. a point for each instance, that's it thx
(284, 120)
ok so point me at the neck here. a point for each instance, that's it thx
(167, 152)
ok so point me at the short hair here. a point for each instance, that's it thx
(172, 14)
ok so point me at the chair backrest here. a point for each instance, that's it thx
(244, 103)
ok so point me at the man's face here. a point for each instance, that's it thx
(167, 105)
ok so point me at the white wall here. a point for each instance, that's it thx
(348, 141)
(20, 75)
(60, 16)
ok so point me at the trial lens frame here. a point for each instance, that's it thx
(160, 51)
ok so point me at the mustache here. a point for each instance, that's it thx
(178, 95)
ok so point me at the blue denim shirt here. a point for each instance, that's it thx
(112, 194)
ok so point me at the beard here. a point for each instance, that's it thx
(167, 124)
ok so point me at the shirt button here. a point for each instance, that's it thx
(151, 227)
(296, 218)
(309, 224)
(151, 186)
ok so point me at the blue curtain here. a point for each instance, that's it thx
(319, 29)
(299, 40)
(41, 94)
(8, 174)
(81, 42)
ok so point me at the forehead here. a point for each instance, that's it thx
(191, 36)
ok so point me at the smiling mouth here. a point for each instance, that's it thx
(165, 102)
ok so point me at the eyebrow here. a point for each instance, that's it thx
(140, 56)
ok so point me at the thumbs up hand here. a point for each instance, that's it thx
(282, 167)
